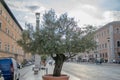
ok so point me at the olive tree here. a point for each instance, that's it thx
(60, 37)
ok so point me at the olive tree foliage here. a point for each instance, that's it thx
(60, 37)
(25, 42)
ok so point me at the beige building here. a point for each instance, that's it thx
(108, 43)
(10, 32)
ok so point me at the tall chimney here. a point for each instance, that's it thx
(37, 21)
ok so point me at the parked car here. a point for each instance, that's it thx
(9, 68)
(1, 76)
(28, 64)
(19, 65)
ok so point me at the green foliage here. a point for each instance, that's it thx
(25, 42)
(59, 37)
(43, 57)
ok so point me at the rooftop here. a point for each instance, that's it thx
(11, 14)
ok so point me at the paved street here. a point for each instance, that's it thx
(28, 74)
(81, 71)
(89, 71)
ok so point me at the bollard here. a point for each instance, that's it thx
(46, 70)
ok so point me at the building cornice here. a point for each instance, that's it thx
(11, 14)
(108, 25)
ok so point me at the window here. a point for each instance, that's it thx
(12, 48)
(118, 53)
(99, 34)
(7, 31)
(107, 31)
(0, 11)
(117, 30)
(8, 48)
(102, 46)
(100, 55)
(5, 47)
(102, 34)
(0, 25)
(0, 44)
(105, 54)
(11, 34)
(8, 20)
(118, 43)
(96, 55)
(105, 45)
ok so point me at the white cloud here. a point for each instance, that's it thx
(112, 15)
(89, 7)
(17, 6)
(84, 11)
(41, 9)
(92, 11)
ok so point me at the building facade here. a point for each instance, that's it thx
(10, 32)
(108, 44)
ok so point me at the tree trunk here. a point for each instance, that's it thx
(59, 60)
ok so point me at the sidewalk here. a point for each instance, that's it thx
(104, 64)
(28, 74)
(111, 64)
(25, 70)
(71, 77)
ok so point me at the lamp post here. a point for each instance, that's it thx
(109, 54)
(37, 21)
(0, 11)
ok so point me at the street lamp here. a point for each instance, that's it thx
(109, 54)
(0, 11)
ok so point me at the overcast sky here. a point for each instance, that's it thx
(93, 12)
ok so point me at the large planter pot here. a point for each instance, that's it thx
(50, 77)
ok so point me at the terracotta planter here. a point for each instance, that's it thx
(50, 77)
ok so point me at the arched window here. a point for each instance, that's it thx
(117, 30)
(118, 43)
